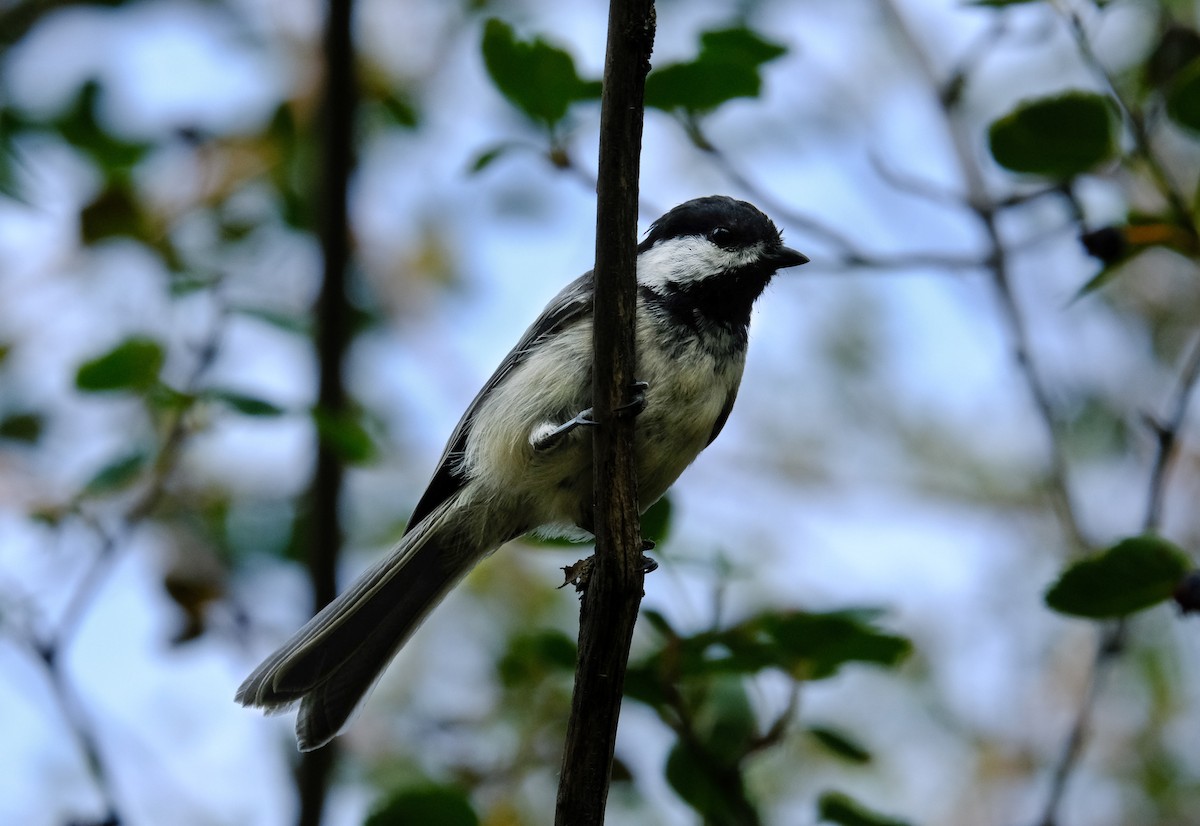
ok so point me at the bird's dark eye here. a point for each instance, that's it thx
(721, 236)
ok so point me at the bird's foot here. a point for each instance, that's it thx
(547, 436)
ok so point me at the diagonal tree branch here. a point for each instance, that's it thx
(614, 586)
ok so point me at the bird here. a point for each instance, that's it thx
(520, 459)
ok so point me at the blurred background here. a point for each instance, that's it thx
(948, 405)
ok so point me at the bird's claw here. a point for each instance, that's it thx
(637, 402)
(547, 436)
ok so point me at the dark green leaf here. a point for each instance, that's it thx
(686, 774)
(840, 744)
(422, 806)
(724, 721)
(22, 427)
(536, 77)
(1132, 575)
(485, 158)
(246, 405)
(1177, 47)
(1057, 137)
(819, 644)
(400, 111)
(532, 657)
(117, 474)
(807, 645)
(80, 126)
(716, 792)
(1183, 98)
(835, 807)
(345, 435)
(656, 521)
(658, 622)
(133, 364)
(114, 213)
(728, 66)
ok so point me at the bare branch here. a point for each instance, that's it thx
(50, 648)
(614, 590)
(985, 209)
(1167, 433)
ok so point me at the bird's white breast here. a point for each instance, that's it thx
(688, 388)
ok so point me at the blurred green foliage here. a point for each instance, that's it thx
(702, 685)
(1132, 575)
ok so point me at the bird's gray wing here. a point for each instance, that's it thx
(571, 304)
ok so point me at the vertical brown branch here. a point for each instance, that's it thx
(614, 587)
(312, 773)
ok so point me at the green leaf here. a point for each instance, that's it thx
(811, 646)
(841, 745)
(725, 722)
(1177, 47)
(119, 473)
(728, 66)
(133, 364)
(685, 772)
(536, 77)
(490, 155)
(656, 521)
(80, 126)
(22, 427)
(1183, 97)
(820, 644)
(246, 405)
(835, 807)
(1132, 575)
(345, 435)
(441, 805)
(1056, 137)
(806, 645)
(114, 213)
(400, 110)
(534, 656)
(716, 792)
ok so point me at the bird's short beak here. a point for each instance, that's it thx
(784, 257)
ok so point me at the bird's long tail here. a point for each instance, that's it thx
(331, 663)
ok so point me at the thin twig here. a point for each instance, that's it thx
(1181, 214)
(50, 648)
(785, 212)
(1167, 433)
(1113, 636)
(1110, 644)
(985, 209)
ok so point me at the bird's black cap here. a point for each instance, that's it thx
(727, 222)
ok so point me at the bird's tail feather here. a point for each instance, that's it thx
(334, 660)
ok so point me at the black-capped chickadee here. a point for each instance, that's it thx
(519, 461)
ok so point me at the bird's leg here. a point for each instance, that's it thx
(548, 435)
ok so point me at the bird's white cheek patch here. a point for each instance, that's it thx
(690, 259)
